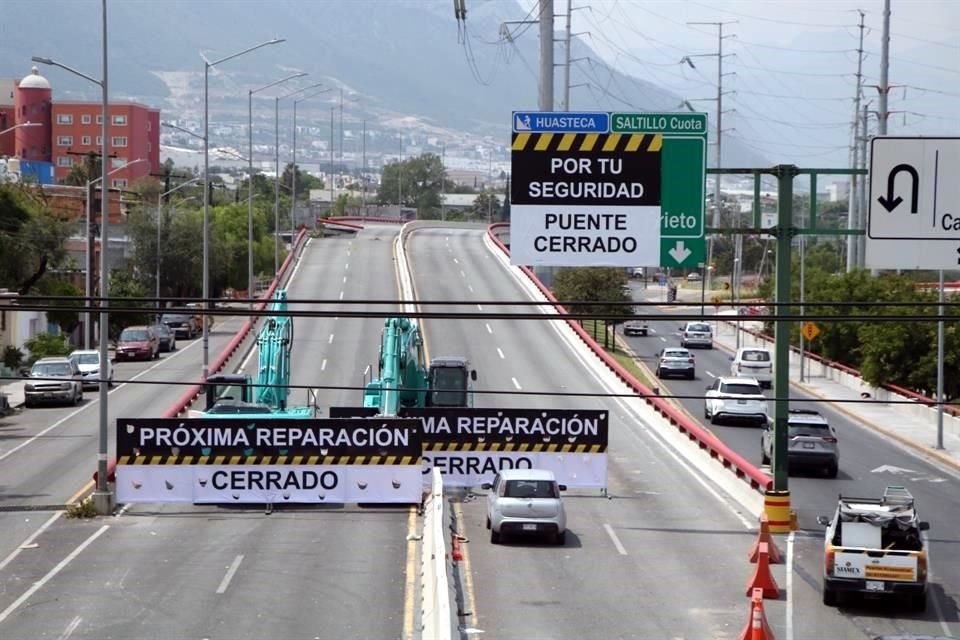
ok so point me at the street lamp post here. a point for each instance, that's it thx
(206, 188)
(703, 287)
(250, 180)
(103, 500)
(293, 184)
(19, 126)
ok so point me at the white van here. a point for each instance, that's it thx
(753, 362)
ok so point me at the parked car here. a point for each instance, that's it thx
(698, 334)
(674, 361)
(166, 336)
(739, 399)
(753, 362)
(54, 380)
(635, 328)
(89, 362)
(525, 501)
(183, 325)
(694, 277)
(138, 343)
(198, 316)
(811, 441)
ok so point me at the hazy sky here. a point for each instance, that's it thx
(793, 68)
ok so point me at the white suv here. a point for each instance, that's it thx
(735, 399)
(525, 501)
(696, 334)
(753, 362)
(89, 362)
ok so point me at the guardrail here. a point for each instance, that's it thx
(193, 392)
(435, 590)
(726, 456)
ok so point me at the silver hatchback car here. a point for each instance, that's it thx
(525, 501)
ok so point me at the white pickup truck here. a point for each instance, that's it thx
(874, 547)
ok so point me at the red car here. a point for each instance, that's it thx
(138, 343)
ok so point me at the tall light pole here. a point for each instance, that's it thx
(103, 500)
(206, 189)
(293, 172)
(250, 180)
(19, 126)
(160, 197)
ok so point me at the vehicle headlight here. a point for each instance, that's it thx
(65, 385)
(28, 387)
(95, 372)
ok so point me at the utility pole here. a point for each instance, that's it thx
(853, 259)
(566, 66)
(443, 180)
(884, 87)
(341, 126)
(862, 194)
(400, 177)
(715, 219)
(546, 55)
(363, 170)
(331, 161)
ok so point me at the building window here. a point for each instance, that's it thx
(64, 141)
(120, 121)
(117, 162)
(64, 118)
(64, 161)
(119, 183)
(85, 119)
(99, 141)
(100, 119)
(118, 141)
(85, 140)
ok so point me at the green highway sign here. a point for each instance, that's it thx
(682, 178)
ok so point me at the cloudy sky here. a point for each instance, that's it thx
(792, 68)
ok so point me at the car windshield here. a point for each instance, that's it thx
(450, 387)
(162, 328)
(699, 327)
(88, 358)
(741, 388)
(755, 356)
(174, 317)
(675, 353)
(531, 489)
(50, 369)
(134, 335)
(808, 429)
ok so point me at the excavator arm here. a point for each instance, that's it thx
(402, 369)
(274, 343)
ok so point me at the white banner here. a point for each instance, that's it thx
(303, 484)
(584, 235)
(473, 468)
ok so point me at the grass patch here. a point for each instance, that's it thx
(82, 509)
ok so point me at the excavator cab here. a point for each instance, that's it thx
(450, 383)
(227, 389)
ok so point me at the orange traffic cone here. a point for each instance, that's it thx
(764, 536)
(757, 627)
(762, 578)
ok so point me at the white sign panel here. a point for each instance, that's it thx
(473, 468)
(262, 484)
(914, 214)
(574, 235)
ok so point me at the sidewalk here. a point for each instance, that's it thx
(913, 424)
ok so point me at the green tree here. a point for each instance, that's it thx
(66, 313)
(123, 285)
(31, 237)
(418, 180)
(45, 345)
(305, 181)
(486, 206)
(594, 291)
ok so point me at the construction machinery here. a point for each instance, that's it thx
(405, 381)
(232, 395)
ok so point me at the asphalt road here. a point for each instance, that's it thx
(863, 454)
(189, 571)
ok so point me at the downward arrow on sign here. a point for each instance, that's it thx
(679, 252)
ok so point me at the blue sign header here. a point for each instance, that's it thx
(560, 122)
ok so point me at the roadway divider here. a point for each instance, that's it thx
(435, 590)
(192, 393)
(708, 442)
(379, 219)
(339, 222)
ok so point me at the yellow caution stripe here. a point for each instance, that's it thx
(374, 460)
(588, 142)
(500, 447)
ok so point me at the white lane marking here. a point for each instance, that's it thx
(52, 573)
(616, 540)
(790, 538)
(341, 295)
(710, 374)
(346, 267)
(296, 266)
(330, 341)
(489, 330)
(471, 288)
(936, 603)
(516, 384)
(323, 365)
(344, 279)
(30, 539)
(480, 307)
(455, 261)
(70, 628)
(462, 274)
(227, 578)
(500, 353)
(663, 339)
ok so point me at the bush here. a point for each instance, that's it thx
(12, 358)
(44, 345)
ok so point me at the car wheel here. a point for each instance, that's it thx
(832, 469)
(829, 596)
(77, 397)
(713, 419)
(764, 458)
(488, 522)
(706, 414)
(494, 537)
(561, 538)
(710, 346)
(692, 375)
(28, 404)
(658, 373)
(173, 346)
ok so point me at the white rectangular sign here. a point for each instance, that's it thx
(914, 214)
(276, 484)
(584, 235)
(473, 468)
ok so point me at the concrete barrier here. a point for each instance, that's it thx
(434, 586)
(726, 456)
